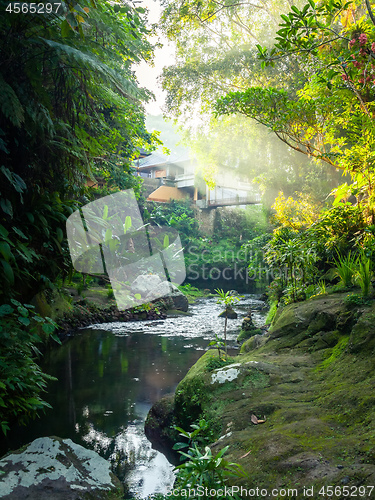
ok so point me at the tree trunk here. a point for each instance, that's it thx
(225, 333)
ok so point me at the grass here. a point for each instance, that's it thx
(345, 268)
(364, 275)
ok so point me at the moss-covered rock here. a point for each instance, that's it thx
(159, 427)
(253, 343)
(229, 312)
(362, 337)
(311, 379)
(246, 334)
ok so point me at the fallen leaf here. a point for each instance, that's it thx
(254, 419)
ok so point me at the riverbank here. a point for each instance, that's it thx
(310, 379)
(74, 307)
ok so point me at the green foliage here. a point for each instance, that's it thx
(341, 237)
(227, 299)
(322, 290)
(110, 294)
(355, 300)
(218, 344)
(21, 379)
(345, 268)
(176, 214)
(33, 247)
(215, 363)
(356, 269)
(202, 467)
(363, 274)
(70, 109)
(292, 261)
(331, 117)
(190, 290)
(341, 229)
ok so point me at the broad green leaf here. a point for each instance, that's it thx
(65, 29)
(6, 206)
(23, 320)
(179, 446)
(60, 234)
(55, 338)
(3, 232)
(108, 235)
(5, 250)
(48, 328)
(8, 271)
(128, 223)
(5, 309)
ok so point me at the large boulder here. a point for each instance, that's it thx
(144, 283)
(51, 467)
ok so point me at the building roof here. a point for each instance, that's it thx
(167, 193)
(157, 159)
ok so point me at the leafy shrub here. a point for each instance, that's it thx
(345, 268)
(214, 363)
(354, 299)
(177, 214)
(202, 467)
(21, 379)
(363, 274)
(271, 313)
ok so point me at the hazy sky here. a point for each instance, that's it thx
(146, 74)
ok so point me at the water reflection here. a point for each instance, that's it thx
(109, 377)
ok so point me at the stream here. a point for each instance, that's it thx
(109, 376)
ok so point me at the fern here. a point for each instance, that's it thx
(94, 65)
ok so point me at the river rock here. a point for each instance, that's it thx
(150, 286)
(229, 312)
(167, 290)
(248, 329)
(51, 467)
(144, 283)
(159, 428)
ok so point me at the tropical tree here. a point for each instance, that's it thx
(331, 117)
(216, 53)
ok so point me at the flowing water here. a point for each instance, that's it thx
(109, 375)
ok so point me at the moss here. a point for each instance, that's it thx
(337, 351)
(253, 343)
(362, 338)
(246, 334)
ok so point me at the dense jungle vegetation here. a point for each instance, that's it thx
(321, 108)
(287, 102)
(70, 111)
